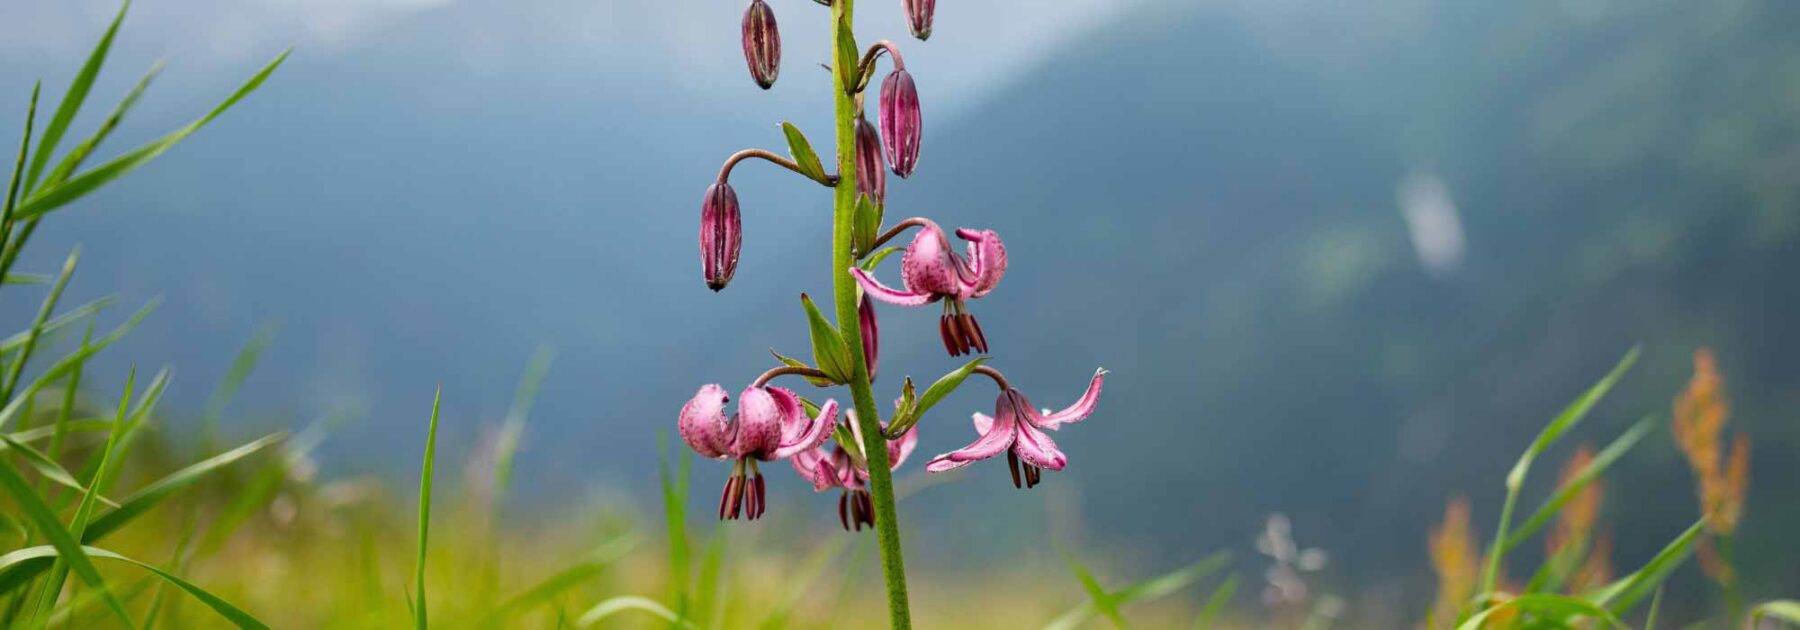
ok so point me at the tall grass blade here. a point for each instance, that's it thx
(622, 603)
(46, 467)
(706, 586)
(267, 481)
(25, 278)
(1216, 602)
(72, 100)
(1787, 610)
(84, 512)
(1587, 475)
(419, 615)
(18, 174)
(1655, 606)
(1621, 595)
(225, 609)
(63, 366)
(71, 388)
(803, 584)
(241, 367)
(37, 325)
(674, 494)
(542, 592)
(48, 199)
(17, 340)
(1554, 609)
(80, 153)
(1152, 588)
(63, 543)
(1097, 595)
(513, 428)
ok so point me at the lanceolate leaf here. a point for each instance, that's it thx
(847, 54)
(869, 264)
(50, 198)
(231, 613)
(63, 542)
(804, 157)
(948, 383)
(1784, 609)
(72, 100)
(1586, 476)
(828, 347)
(793, 362)
(1621, 595)
(1548, 607)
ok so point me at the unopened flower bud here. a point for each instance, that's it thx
(918, 16)
(721, 235)
(871, 171)
(762, 43)
(871, 335)
(900, 122)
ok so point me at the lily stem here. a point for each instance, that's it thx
(881, 481)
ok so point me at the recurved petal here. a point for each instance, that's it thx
(987, 260)
(873, 288)
(1036, 447)
(816, 433)
(1074, 413)
(815, 465)
(983, 423)
(994, 441)
(899, 450)
(759, 424)
(794, 420)
(703, 425)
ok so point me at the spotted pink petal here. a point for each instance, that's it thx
(983, 422)
(987, 260)
(873, 288)
(815, 435)
(1036, 448)
(995, 440)
(703, 424)
(928, 265)
(815, 465)
(899, 450)
(759, 424)
(1074, 413)
(794, 420)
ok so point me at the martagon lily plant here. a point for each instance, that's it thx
(855, 453)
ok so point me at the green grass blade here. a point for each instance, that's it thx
(18, 174)
(624, 603)
(419, 615)
(1587, 475)
(514, 427)
(85, 510)
(25, 278)
(134, 424)
(17, 340)
(48, 199)
(46, 467)
(1097, 595)
(61, 540)
(1655, 606)
(268, 481)
(542, 592)
(1621, 595)
(1216, 602)
(1787, 610)
(80, 153)
(83, 425)
(1548, 607)
(65, 416)
(706, 585)
(802, 585)
(72, 100)
(231, 613)
(62, 367)
(37, 325)
(1152, 588)
(241, 367)
(674, 493)
(1567, 419)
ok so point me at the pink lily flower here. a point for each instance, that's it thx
(930, 270)
(770, 425)
(1018, 429)
(838, 468)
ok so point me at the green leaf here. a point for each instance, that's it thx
(419, 614)
(1622, 594)
(150, 495)
(37, 325)
(80, 153)
(18, 339)
(828, 347)
(793, 362)
(674, 493)
(506, 448)
(1569, 417)
(47, 199)
(622, 603)
(68, 363)
(706, 585)
(25, 278)
(1149, 589)
(45, 466)
(1656, 606)
(64, 543)
(1784, 609)
(803, 154)
(1216, 602)
(1097, 595)
(1546, 606)
(847, 54)
(866, 223)
(1587, 475)
(800, 587)
(938, 390)
(231, 613)
(18, 174)
(540, 593)
(869, 264)
(241, 367)
(72, 100)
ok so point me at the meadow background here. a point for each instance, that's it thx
(1343, 260)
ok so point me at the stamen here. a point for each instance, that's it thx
(868, 508)
(725, 497)
(1012, 463)
(1033, 475)
(972, 332)
(844, 510)
(947, 333)
(762, 496)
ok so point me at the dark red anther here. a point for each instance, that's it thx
(844, 510)
(972, 332)
(1012, 463)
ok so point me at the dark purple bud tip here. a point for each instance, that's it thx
(900, 129)
(871, 168)
(918, 17)
(762, 43)
(721, 235)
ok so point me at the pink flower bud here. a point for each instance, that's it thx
(762, 43)
(918, 16)
(721, 235)
(871, 171)
(900, 122)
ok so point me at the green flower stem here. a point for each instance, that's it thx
(881, 481)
